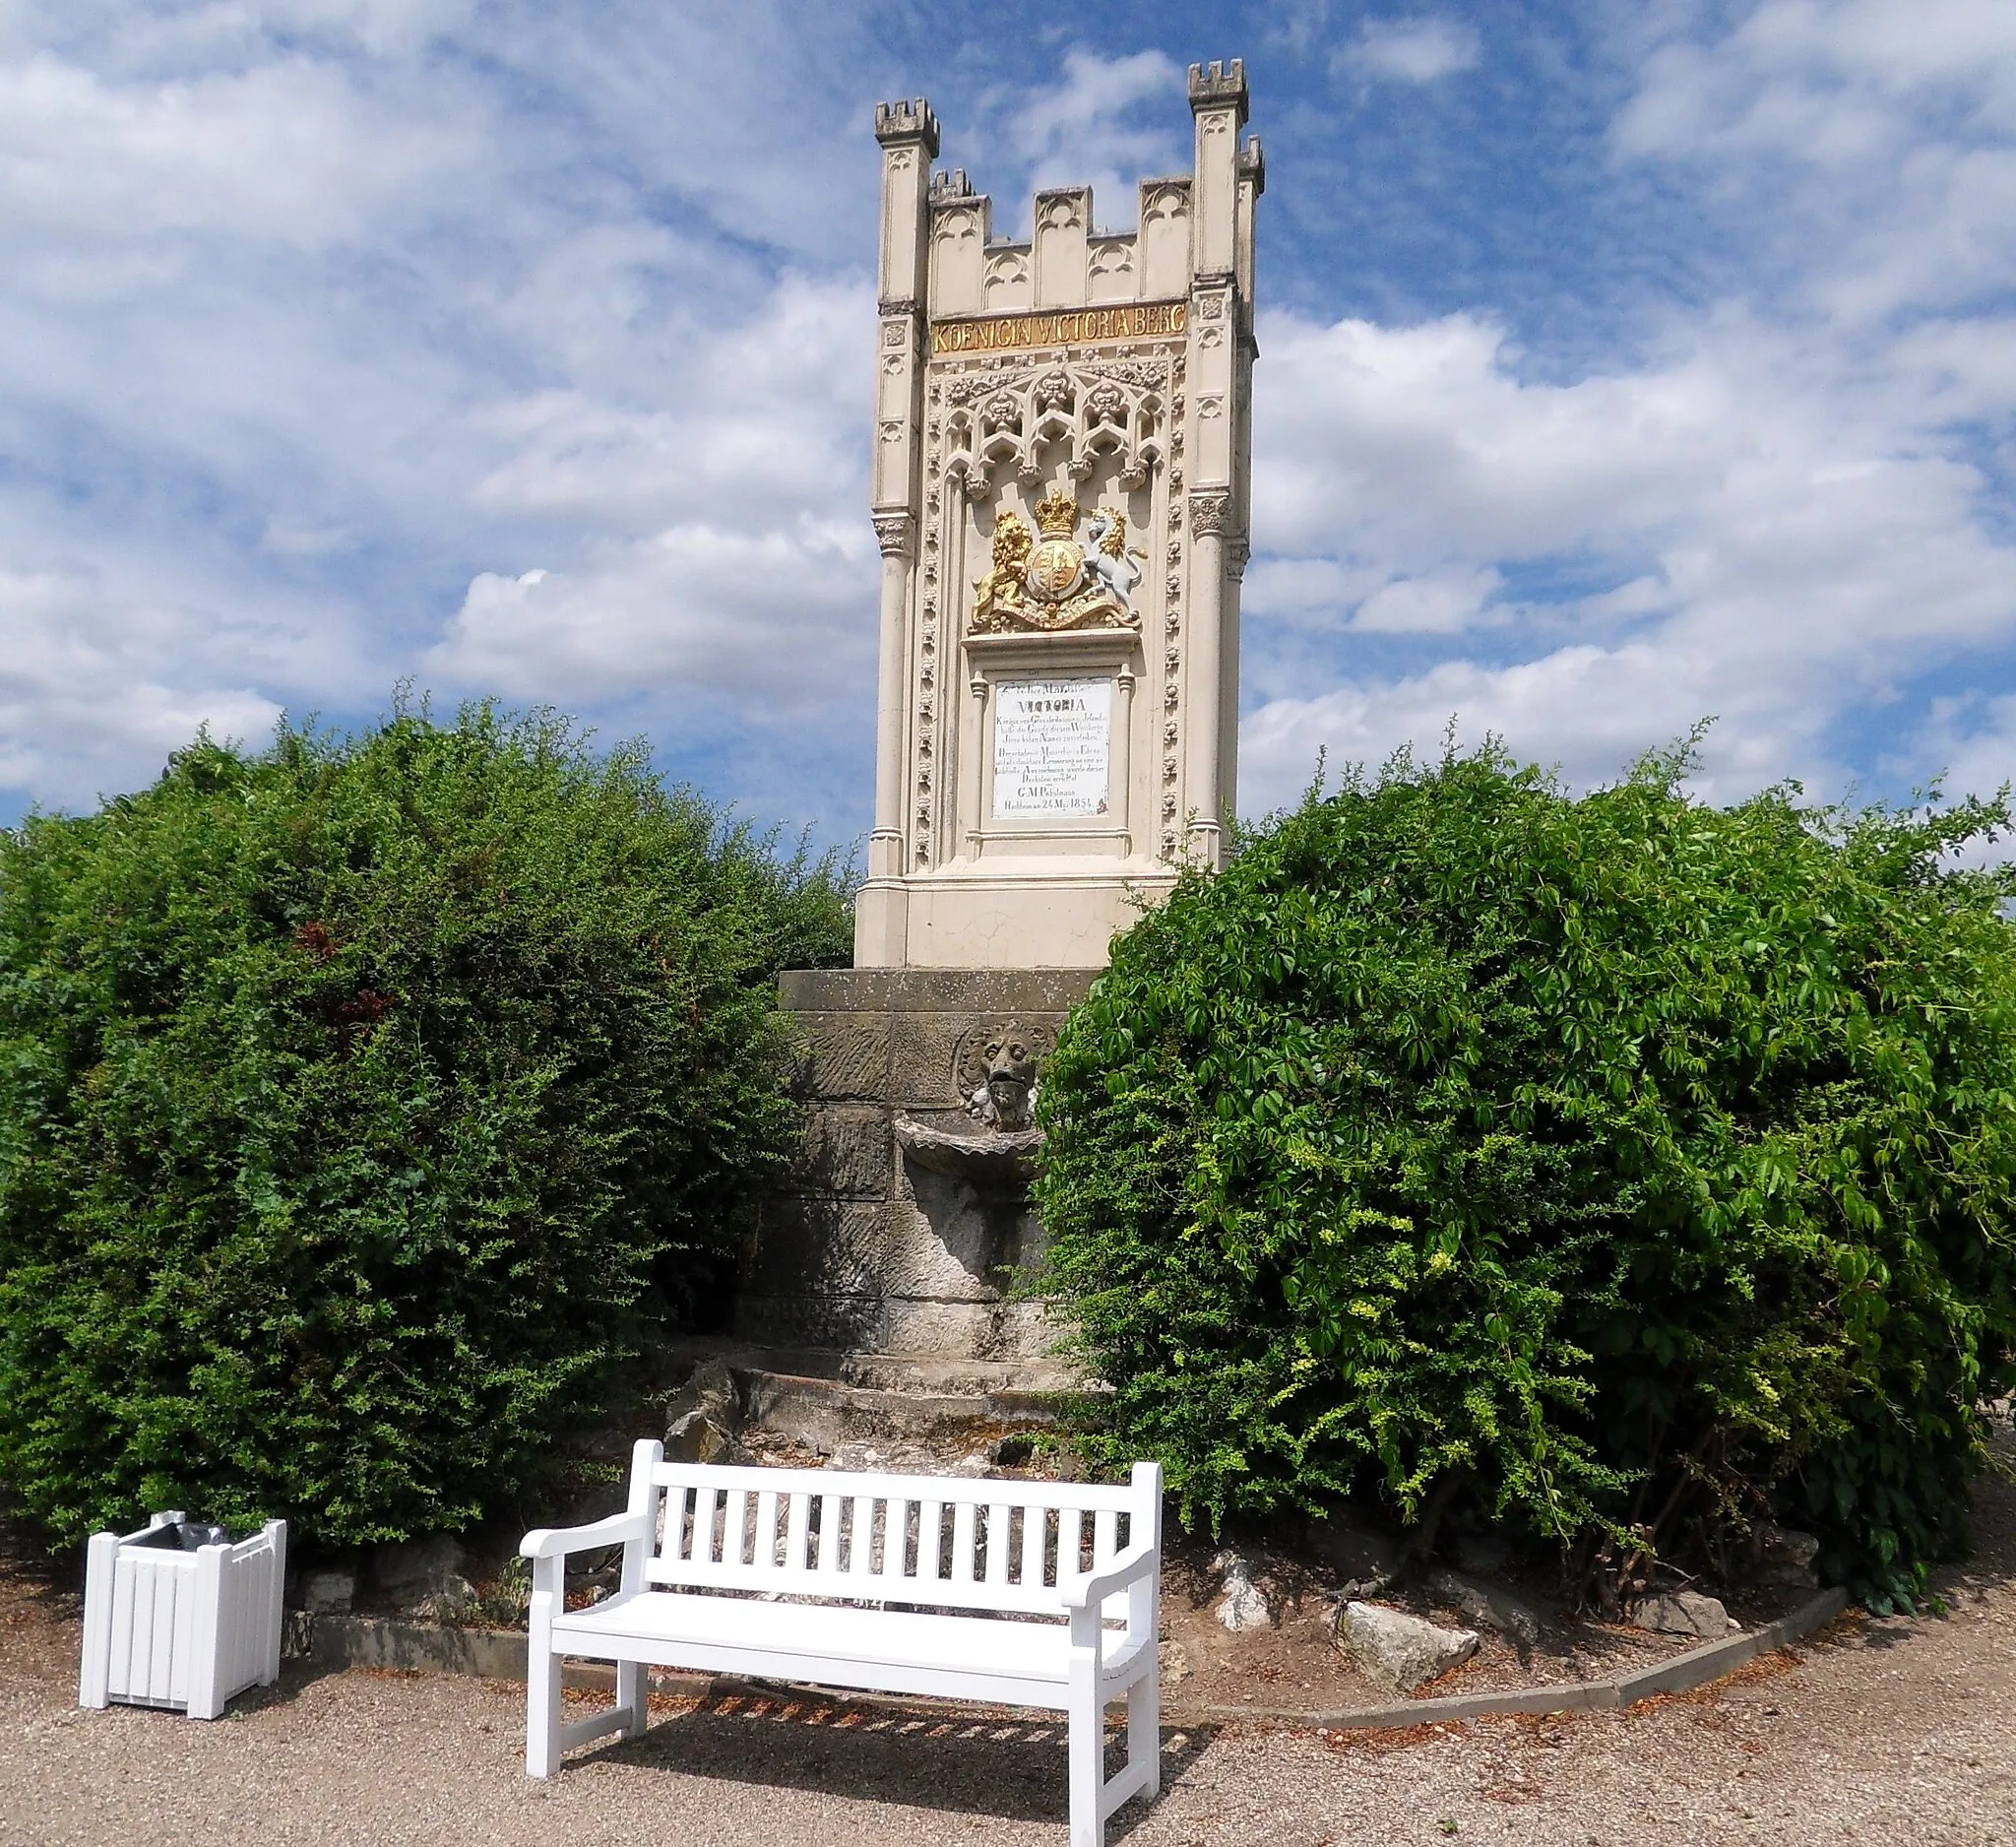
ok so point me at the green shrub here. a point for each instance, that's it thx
(1620, 1170)
(360, 1102)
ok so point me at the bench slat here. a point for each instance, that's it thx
(1034, 1520)
(963, 1562)
(895, 1537)
(798, 1525)
(861, 1537)
(997, 1542)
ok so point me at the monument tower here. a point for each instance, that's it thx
(1061, 488)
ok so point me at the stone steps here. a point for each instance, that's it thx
(931, 1374)
(922, 1406)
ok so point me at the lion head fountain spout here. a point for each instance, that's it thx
(996, 1073)
(1005, 1096)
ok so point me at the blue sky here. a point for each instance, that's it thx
(1621, 364)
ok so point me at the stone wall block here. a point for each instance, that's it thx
(933, 990)
(921, 1048)
(846, 1150)
(844, 1055)
(977, 1331)
(861, 1247)
(820, 1247)
(808, 1320)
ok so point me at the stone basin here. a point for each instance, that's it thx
(993, 1159)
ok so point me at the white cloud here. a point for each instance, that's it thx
(1776, 512)
(290, 153)
(1831, 82)
(306, 325)
(95, 681)
(1588, 710)
(1784, 537)
(1873, 140)
(1412, 50)
(1442, 602)
(1103, 123)
(739, 613)
(730, 548)
(756, 424)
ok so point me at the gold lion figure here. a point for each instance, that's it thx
(997, 597)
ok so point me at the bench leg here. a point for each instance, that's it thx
(632, 1694)
(1144, 1729)
(1088, 1765)
(542, 1709)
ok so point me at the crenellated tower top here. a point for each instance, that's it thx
(909, 121)
(1220, 86)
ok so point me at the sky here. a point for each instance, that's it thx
(1622, 363)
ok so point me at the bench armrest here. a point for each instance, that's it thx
(1129, 1567)
(553, 1542)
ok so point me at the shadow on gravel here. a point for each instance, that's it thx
(1015, 1769)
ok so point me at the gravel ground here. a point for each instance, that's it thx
(1891, 1731)
(1896, 1730)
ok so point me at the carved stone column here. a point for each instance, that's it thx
(1209, 507)
(879, 912)
(1237, 551)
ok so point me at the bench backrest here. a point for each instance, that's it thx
(949, 1542)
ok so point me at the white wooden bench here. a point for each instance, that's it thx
(889, 1583)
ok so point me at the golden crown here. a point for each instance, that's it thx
(1056, 513)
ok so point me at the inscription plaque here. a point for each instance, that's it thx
(1001, 333)
(1053, 746)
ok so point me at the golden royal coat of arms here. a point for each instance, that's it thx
(1057, 583)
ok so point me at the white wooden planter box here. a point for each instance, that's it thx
(168, 1628)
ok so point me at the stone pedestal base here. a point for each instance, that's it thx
(865, 1248)
(1061, 912)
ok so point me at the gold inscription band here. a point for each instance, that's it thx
(1000, 333)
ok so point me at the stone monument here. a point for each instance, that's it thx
(1060, 487)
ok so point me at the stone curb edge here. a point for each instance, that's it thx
(359, 1641)
(1681, 1675)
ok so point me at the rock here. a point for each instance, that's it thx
(1400, 1650)
(296, 1634)
(448, 1600)
(704, 1417)
(423, 1576)
(1013, 1451)
(1785, 1556)
(1482, 1554)
(1173, 1663)
(1683, 1613)
(328, 1593)
(1243, 1605)
(1485, 1605)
